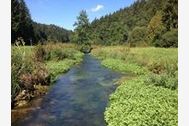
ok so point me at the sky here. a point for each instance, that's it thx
(63, 13)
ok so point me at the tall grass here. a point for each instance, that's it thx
(160, 62)
(26, 71)
(40, 65)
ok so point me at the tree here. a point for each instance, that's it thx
(170, 14)
(155, 27)
(138, 36)
(21, 23)
(82, 31)
(169, 39)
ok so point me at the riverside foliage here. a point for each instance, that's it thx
(150, 97)
(39, 65)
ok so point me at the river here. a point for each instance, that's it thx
(78, 98)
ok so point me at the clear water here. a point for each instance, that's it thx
(78, 98)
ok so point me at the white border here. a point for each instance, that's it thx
(5, 63)
(183, 63)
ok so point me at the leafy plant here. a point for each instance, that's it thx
(134, 104)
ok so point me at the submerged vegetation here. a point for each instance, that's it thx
(150, 98)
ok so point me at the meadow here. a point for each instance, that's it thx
(34, 69)
(150, 97)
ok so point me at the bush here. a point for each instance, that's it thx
(40, 53)
(136, 104)
(169, 39)
(164, 80)
(138, 36)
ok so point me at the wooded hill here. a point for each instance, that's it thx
(145, 22)
(52, 33)
(31, 32)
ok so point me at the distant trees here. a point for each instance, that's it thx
(53, 33)
(32, 32)
(143, 23)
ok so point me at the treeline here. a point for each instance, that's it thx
(30, 31)
(144, 23)
(52, 33)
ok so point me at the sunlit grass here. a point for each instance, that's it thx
(148, 98)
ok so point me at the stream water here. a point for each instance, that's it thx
(78, 98)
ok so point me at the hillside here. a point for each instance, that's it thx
(144, 22)
(44, 32)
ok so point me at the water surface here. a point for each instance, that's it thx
(78, 98)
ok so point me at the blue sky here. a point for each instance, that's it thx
(64, 12)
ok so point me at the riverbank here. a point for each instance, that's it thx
(34, 69)
(150, 98)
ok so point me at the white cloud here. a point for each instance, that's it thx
(97, 8)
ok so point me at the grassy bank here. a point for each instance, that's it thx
(34, 68)
(150, 98)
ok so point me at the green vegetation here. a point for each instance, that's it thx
(119, 65)
(136, 104)
(57, 68)
(141, 24)
(39, 65)
(50, 33)
(81, 32)
(144, 23)
(150, 97)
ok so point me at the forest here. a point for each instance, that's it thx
(119, 70)
(144, 23)
(141, 24)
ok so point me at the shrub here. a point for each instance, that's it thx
(138, 36)
(164, 80)
(169, 39)
(40, 53)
